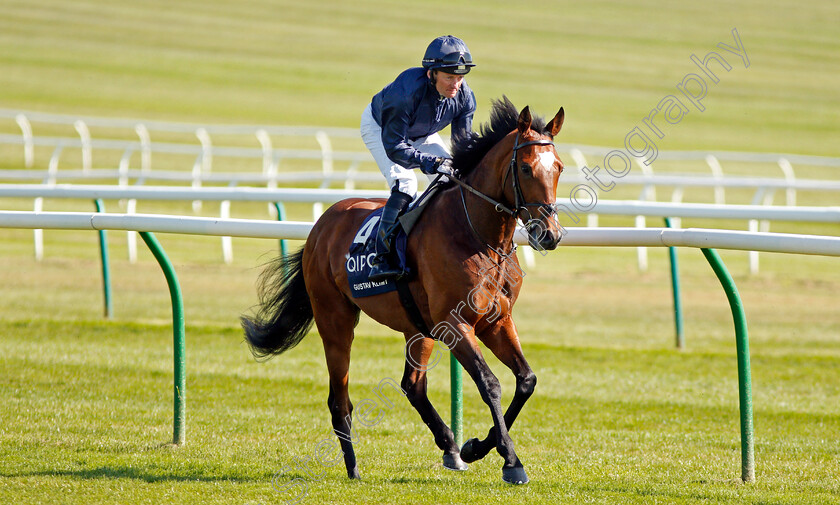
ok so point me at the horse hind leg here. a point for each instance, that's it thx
(341, 411)
(413, 384)
(335, 322)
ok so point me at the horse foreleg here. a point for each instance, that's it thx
(503, 341)
(467, 352)
(413, 384)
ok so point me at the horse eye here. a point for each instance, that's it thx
(526, 168)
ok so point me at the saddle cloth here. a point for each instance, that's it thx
(363, 248)
(361, 253)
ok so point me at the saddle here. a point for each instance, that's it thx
(362, 249)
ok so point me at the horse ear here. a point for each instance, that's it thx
(524, 120)
(553, 128)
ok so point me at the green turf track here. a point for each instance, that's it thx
(619, 416)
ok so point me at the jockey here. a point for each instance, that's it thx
(400, 128)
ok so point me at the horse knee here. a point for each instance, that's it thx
(413, 388)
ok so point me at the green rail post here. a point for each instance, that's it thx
(180, 380)
(456, 399)
(743, 351)
(675, 290)
(281, 216)
(103, 254)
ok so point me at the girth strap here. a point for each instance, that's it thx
(411, 308)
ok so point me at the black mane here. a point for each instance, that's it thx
(468, 151)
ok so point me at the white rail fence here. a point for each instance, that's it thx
(329, 196)
(593, 237)
(269, 158)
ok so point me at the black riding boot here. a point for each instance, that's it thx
(381, 267)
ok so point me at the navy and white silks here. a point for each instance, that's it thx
(400, 126)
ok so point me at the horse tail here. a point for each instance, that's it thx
(285, 314)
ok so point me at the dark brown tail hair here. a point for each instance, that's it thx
(284, 315)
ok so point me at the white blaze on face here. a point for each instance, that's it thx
(547, 160)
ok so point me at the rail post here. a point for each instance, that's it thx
(790, 177)
(178, 330)
(456, 399)
(743, 351)
(675, 291)
(269, 166)
(84, 136)
(717, 173)
(103, 254)
(281, 216)
(648, 193)
(145, 147)
(28, 143)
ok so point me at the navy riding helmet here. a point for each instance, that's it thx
(448, 54)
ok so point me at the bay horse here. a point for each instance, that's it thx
(463, 241)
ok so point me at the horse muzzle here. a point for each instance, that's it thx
(542, 237)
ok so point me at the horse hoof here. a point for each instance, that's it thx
(454, 462)
(515, 475)
(354, 474)
(468, 454)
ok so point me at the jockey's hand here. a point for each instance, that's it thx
(444, 167)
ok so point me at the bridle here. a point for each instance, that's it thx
(519, 199)
(519, 203)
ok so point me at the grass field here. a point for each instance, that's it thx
(619, 415)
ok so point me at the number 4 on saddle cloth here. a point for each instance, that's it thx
(363, 249)
(361, 253)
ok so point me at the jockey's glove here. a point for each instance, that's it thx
(444, 166)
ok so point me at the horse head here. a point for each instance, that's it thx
(512, 164)
(533, 171)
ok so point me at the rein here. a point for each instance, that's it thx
(519, 198)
